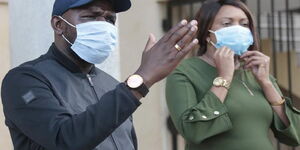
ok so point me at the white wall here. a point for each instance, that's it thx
(30, 30)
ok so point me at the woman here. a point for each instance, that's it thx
(225, 99)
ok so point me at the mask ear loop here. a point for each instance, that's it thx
(66, 39)
(69, 25)
(211, 42)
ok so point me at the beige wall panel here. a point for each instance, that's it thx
(143, 18)
(5, 141)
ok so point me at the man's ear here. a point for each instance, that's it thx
(57, 25)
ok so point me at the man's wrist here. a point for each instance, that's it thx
(147, 80)
(137, 83)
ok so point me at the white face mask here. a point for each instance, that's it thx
(95, 40)
(237, 38)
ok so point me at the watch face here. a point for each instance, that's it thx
(218, 82)
(135, 81)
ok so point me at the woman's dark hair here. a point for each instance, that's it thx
(206, 16)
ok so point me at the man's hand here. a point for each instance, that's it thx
(161, 58)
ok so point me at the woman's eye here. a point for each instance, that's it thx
(245, 24)
(226, 23)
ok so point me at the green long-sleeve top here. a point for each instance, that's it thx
(242, 122)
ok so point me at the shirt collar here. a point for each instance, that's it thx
(65, 61)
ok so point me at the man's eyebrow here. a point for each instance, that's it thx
(91, 11)
(98, 11)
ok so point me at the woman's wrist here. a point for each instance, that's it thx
(265, 83)
(277, 103)
(267, 86)
(226, 77)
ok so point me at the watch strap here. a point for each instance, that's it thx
(143, 90)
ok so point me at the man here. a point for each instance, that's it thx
(61, 101)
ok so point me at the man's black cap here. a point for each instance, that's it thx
(61, 6)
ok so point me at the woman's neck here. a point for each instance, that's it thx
(208, 57)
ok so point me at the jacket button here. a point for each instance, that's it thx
(204, 117)
(191, 118)
(216, 112)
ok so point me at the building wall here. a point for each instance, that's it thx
(5, 142)
(30, 30)
(282, 67)
(266, 7)
(135, 25)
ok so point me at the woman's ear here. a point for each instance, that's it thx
(208, 39)
(57, 26)
(210, 42)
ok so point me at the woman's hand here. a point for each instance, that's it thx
(224, 61)
(259, 64)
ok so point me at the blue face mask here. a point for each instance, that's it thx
(237, 38)
(95, 40)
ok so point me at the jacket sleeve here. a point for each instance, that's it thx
(30, 104)
(195, 117)
(288, 135)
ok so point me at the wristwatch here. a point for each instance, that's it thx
(221, 82)
(136, 82)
